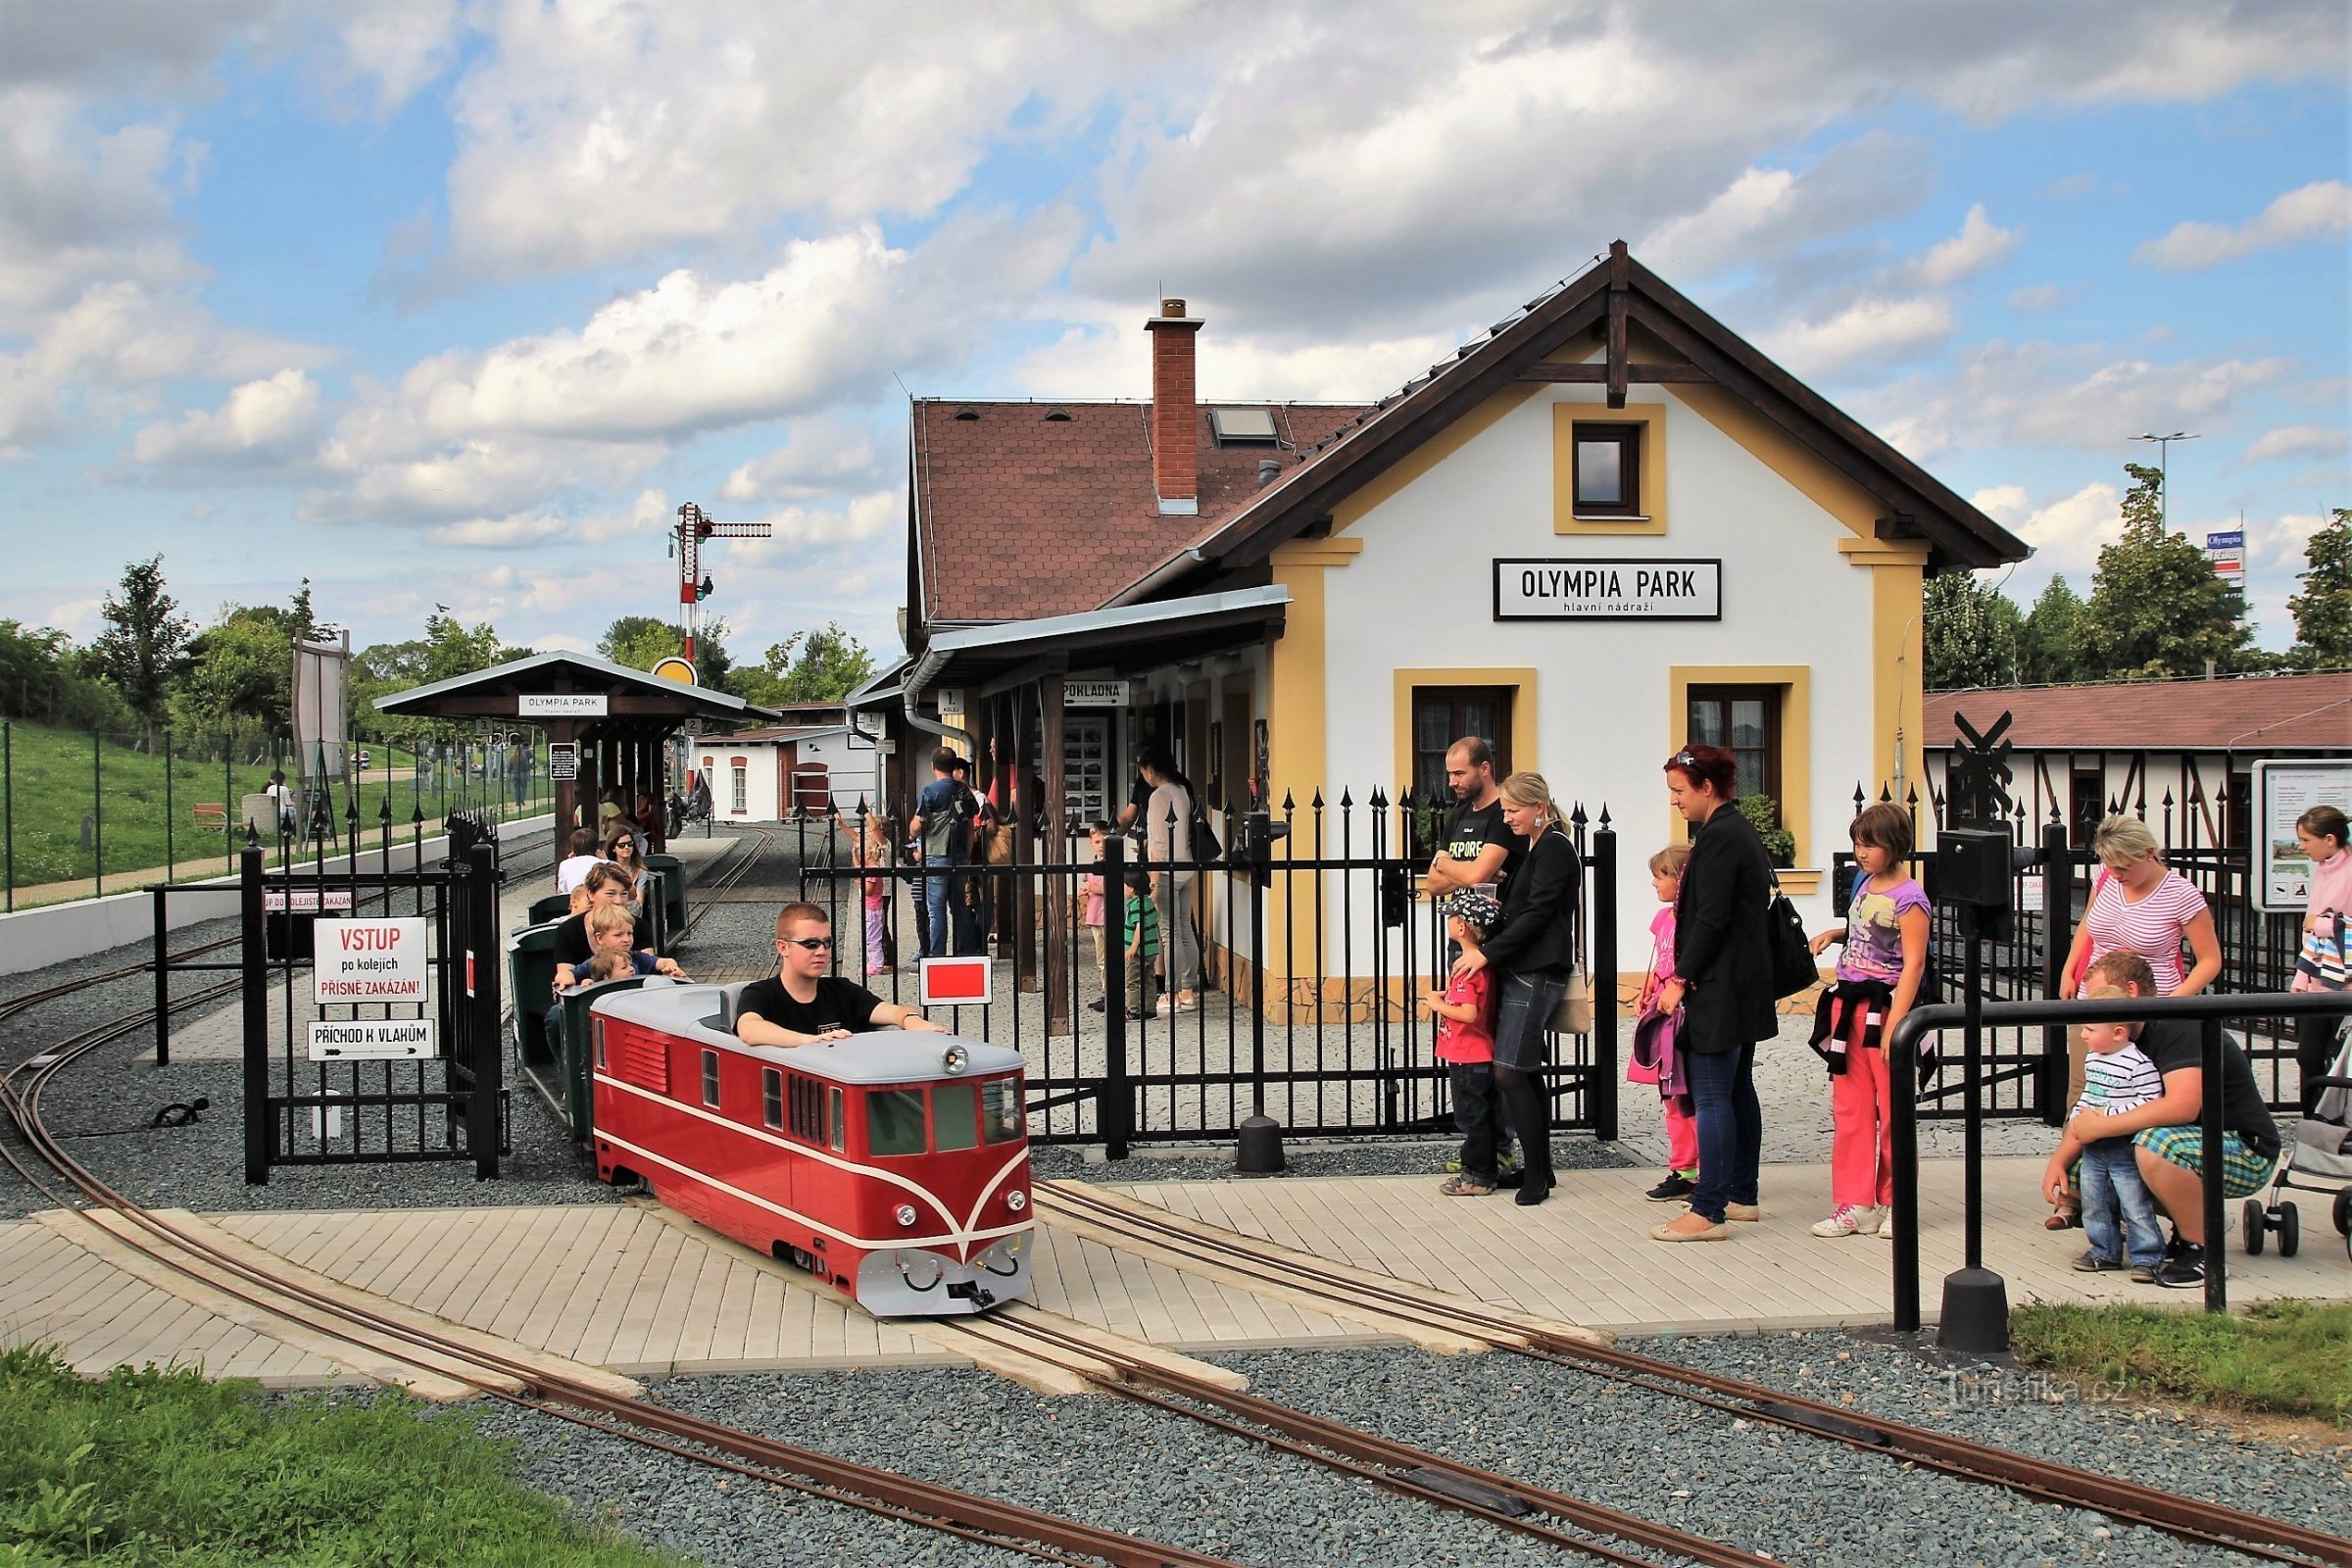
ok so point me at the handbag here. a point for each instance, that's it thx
(1792, 965)
(2075, 971)
(2322, 960)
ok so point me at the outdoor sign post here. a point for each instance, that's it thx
(2283, 790)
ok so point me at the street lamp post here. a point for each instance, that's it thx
(2163, 468)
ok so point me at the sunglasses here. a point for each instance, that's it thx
(812, 943)
(1683, 759)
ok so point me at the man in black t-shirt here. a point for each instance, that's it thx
(804, 1005)
(2167, 1132)
(1477, 851)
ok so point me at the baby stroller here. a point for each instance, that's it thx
(2319, 1160)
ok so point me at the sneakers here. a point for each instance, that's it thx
(2093, 1264)
(1886, 1231)
(1851, 1219)
(1673, 1189)
(2183, 1269)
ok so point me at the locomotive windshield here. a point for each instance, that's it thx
(1001, 1118)
(955, 1115)
(894, 1121)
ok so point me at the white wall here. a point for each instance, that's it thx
(1421, 596)
(850, 763)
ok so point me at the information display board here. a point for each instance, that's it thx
(2283, 790)
(370, 961)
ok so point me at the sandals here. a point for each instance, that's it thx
(2062, 1220)
(1465, 1187)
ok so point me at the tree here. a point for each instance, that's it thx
(1970, 634)
(641, 642)
(141, 645)
(2323, 610)
(2054, 643)
(45, 678)
(822, 666)
(448, 649)
(240, 670)
(2157, 607)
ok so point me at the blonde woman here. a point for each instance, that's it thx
(2136, 906)
(1532, 953)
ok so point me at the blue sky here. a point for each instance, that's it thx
(455, 301)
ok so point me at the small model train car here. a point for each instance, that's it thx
(894, 1164)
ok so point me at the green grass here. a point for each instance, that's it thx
(55, 778)
(2284, 1358)
(158, 1468)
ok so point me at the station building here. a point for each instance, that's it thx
(776, 771)
(1607, 526)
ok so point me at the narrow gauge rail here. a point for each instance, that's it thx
(2204, 1522)
(1043, 1537)
(1502, 1500)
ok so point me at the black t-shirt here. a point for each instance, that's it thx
(840, 1004)
(572, 945)
(1474, 827)
(2173, 1044)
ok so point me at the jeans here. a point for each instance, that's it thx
(1477, 1108)
(1182, 950)
(938, 893)
(2113, 1190)
(1730, 1129)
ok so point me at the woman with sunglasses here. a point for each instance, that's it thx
(1723, 960)
(805, 1003)
(621, 850)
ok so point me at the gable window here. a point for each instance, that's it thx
(1608, 469)
(1744, 720)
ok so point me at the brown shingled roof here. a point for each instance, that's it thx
(2271, 712)
(1025, 516)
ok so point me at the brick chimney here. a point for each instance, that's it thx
(1175, 420)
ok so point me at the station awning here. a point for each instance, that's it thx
(1128, 639)
(567, 685)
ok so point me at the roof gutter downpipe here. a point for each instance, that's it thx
(926, 668)
(1176, 566)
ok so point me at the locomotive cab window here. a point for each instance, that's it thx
(1001, 1118)
(772, 1097)
(956, 1117)
(710, 1079)
(599, 1045)
(808, 1109)
(833, 1122)
(894, 1121)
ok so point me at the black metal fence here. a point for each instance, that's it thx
(431, 1085)
(1316, 949)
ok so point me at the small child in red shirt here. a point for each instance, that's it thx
(1465, 1014)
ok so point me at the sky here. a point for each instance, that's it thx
(454, 302)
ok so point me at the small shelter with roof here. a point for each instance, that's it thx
(1606, 527)
(615, 722)
(2183, 750)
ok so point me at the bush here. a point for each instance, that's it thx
(1765, 813)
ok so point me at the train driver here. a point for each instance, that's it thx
(804, 1005)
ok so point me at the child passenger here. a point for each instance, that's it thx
(1879, 976)
(2118, 1214)
(1662, 993)
(1465, 1014)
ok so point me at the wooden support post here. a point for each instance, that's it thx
(1059, 931)
(568, 789)
(1024, 903)
(1620, 294)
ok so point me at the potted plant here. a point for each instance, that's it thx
(1779, 843)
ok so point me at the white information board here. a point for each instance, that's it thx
(563, 705)
(2283, 790)
(372, 1038)
(1614, 589)
(370, 961)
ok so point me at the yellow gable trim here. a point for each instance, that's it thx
(1566, 416)
(1885, 552)
(1521, 680)
(1776, 449)
(1316, 553)
(1428, 454)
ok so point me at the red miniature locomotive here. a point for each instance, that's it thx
(894, 1164)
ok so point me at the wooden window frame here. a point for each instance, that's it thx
(1775, 747)
(1628, 439)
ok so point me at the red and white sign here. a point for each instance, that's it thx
(954, 983)
(370, 961)
(305, 901)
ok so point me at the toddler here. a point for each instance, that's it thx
(1662, 993)
(1465, 1014)
(2119, 1215)
(1096, 911)
(1142, 930)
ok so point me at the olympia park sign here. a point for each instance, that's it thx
(1614, 589)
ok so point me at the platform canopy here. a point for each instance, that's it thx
(616, 717)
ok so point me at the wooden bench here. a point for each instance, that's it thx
(210, 814)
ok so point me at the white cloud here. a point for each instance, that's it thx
(468, 480)
(2004, 503)
(2068, 533)
(400, 45)
(2322, 208)
(1980, 244)
(823, 456)
(1113, 359)
(269, 420)
(2041, 297)
(2294, 441)
(78, 204)
(1869, 330)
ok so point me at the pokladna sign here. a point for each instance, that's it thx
(1614, 589)
(2284, 790)
(370, 961)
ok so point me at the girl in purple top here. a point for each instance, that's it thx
(1879, 975)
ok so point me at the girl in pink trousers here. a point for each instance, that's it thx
(1681, 1131)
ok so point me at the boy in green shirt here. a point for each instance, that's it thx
(1142, 928)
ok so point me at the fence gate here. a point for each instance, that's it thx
(371, 1013)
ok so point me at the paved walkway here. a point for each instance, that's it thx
(641, 1292)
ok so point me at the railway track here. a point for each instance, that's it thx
(1335, 1285)
(463, 1360)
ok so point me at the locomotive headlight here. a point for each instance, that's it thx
(907, 1213)
(955, 1059)
(1016, 1200)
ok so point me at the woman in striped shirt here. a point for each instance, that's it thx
(2138, 904)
